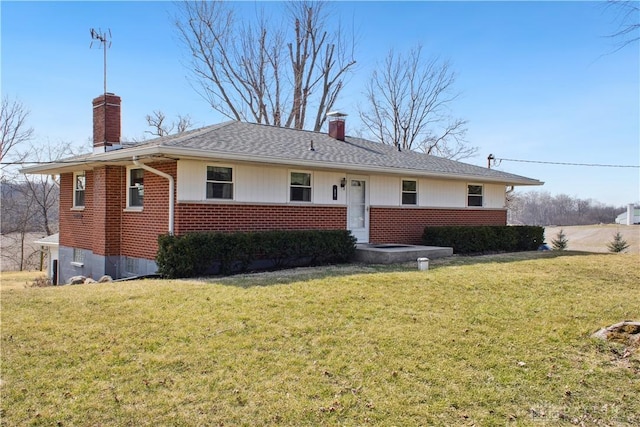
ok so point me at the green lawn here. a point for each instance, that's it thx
(473, 341)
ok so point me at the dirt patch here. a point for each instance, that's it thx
(595, 238)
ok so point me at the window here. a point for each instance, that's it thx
(409, 192)
(219, 182)
(136, 187)
(300, 190)
(131, 265)
(474, 195)
(79, 181)
(78, 257)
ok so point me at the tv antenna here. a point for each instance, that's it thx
(103, 38)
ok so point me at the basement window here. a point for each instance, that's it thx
(219, 182)
(79, 185)
(136, 188)
(409, 192)
(131, 266)
(78, 257)
(474, 195)
(300, 188)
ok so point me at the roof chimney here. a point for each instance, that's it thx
(106, 123)
(336, 125)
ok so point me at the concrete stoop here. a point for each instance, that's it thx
(395, 253)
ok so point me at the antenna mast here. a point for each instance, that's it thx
(104, 39)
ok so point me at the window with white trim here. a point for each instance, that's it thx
(79, 186)
(409, 192)
(219, 182)
(136, 188)
(474, 195)
(300, 187)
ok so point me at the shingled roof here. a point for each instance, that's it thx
(256, 143)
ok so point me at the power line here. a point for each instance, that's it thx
(498, 160)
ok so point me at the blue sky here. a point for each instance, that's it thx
(538, 80)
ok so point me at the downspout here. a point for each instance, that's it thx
(507, 193)
(171, 189)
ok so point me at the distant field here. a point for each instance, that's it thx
(495, 340)
(595, 238)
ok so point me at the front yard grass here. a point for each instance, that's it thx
(473, 341)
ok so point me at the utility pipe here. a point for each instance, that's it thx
(171, 189)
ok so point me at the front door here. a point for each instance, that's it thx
(358, 208)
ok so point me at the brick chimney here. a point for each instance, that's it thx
(106, 123)
(336, 125)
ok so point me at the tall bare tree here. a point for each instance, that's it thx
(18, 221)
(260, 72)
(408, 106)
(13, 126)
(158, 122)
(628, 21)
(30, 204)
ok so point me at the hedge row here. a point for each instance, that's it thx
(483, 239)
(197, 254)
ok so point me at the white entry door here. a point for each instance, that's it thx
(358, 207)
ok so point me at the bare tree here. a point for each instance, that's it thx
(43, 191)
(409, 99)
(13, 126)
(18, 221)
(251, 73)
(30, 205)
(541, 208)
(628, 20)
(157, 121)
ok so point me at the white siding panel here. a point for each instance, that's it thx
(494, 196)
(257, 184)
(384, 190)
(323, 183)
(266, 184)
(191, 185)
(443, 194)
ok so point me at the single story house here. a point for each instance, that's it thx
(237, 176)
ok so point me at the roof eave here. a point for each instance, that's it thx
(196, 153)
(123, 156)
(120, 156)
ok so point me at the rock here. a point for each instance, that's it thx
(89, 281)
(105, 279)
(627, 332)
(77, 280)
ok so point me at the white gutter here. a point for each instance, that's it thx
(171, 189)
(181, 152)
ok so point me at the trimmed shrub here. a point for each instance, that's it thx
(485, 239)
(197, 254)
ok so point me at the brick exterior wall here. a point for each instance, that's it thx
(402, 225)
(235, 217)
(104, 226)
(140, 230)
(76, 226)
